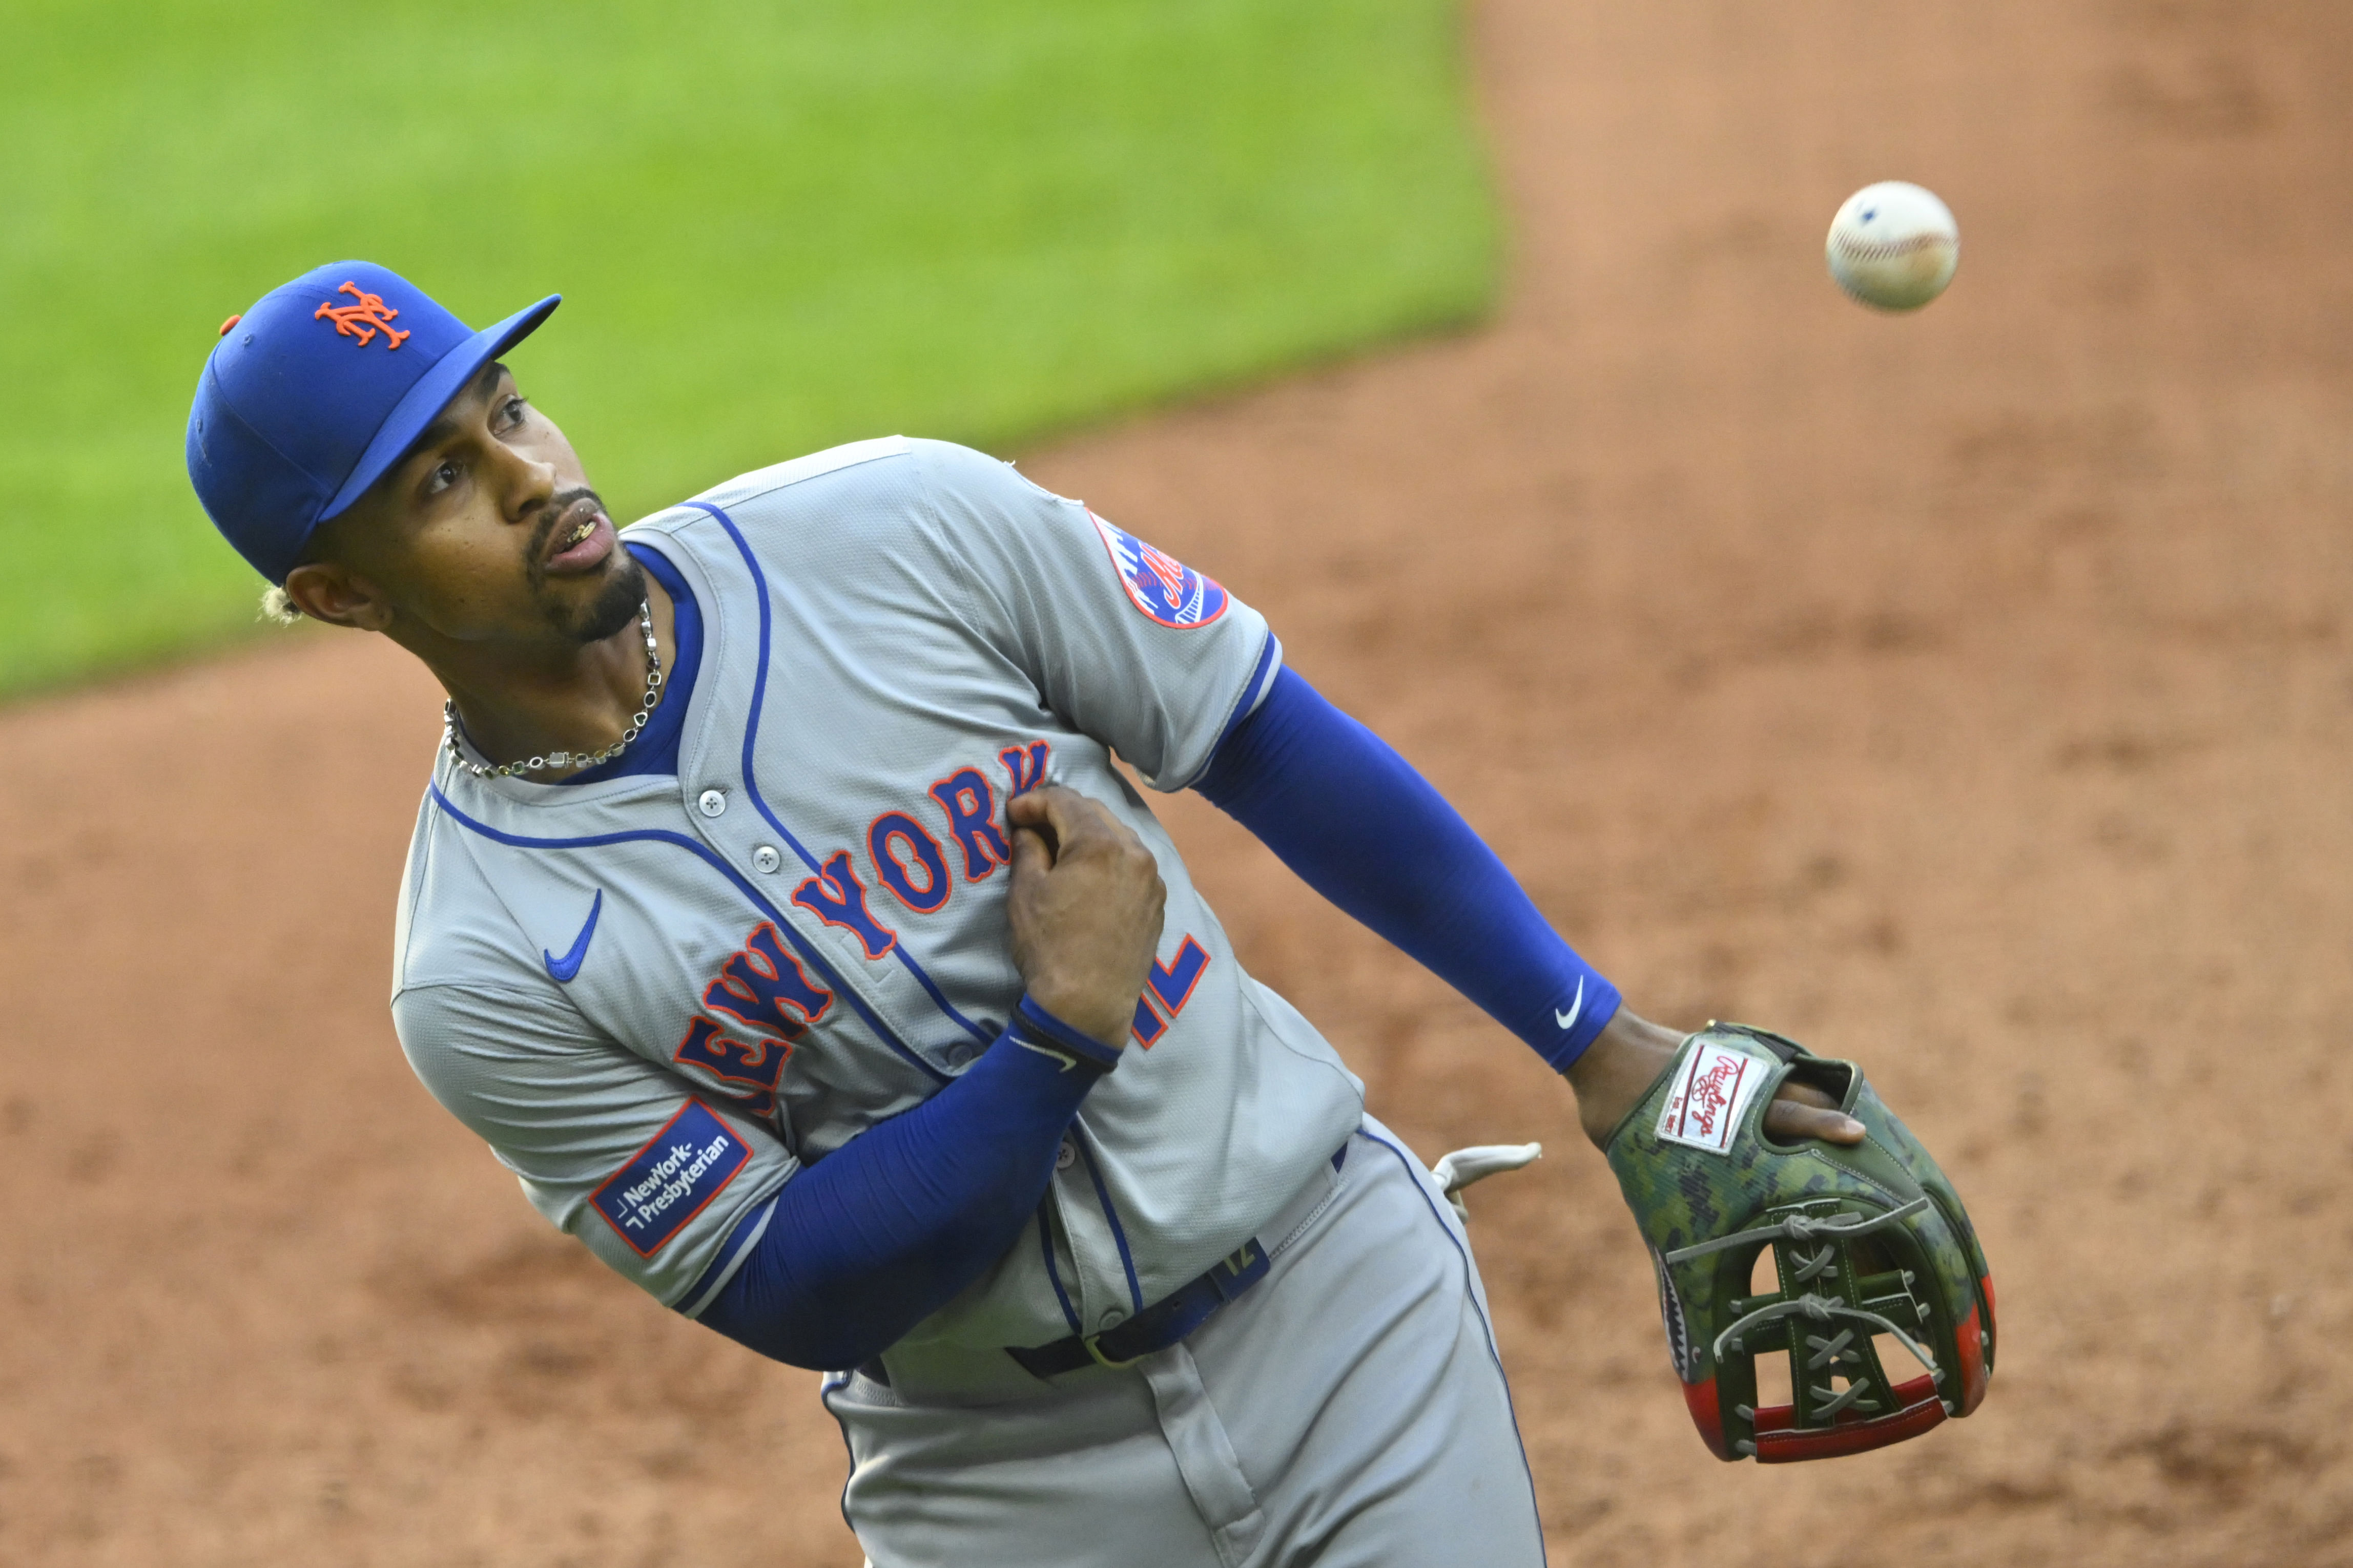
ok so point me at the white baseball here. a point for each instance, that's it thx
(1894, 244)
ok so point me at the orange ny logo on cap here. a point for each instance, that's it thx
(361, 319)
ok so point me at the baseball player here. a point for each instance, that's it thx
(776, 913)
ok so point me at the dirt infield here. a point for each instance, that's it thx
(1971, 693)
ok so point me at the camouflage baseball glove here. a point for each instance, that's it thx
(1868, 1242)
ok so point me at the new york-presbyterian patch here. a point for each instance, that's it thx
(1159, 584)
(672, 1179)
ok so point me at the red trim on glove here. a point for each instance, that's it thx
(1777, 1444)
(1974, 1376)
(1708, 1417)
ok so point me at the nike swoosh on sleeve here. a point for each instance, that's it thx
(564, 969)
(1065, 1058)
(1566, 1020)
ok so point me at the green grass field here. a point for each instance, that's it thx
(776, 227)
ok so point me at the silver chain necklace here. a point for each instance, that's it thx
(574, 761)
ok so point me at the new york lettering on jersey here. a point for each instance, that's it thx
(762, 990)
(899, 637)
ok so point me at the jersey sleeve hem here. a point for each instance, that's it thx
(738, 1247)
(1252, 694)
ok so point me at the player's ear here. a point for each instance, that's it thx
(326, 591)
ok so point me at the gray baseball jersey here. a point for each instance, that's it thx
(656, 997)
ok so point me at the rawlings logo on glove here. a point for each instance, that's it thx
(1869, 1240)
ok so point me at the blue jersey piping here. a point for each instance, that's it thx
(1118, 1234)
(1046, 1241)
(1245, 704)
(751, 782)
(718, 863)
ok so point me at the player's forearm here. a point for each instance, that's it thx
(868, 1242)
(1358, 824)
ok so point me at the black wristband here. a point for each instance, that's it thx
(1040, 1030)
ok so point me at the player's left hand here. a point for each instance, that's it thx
(1627, 1057)
(1868, 1239)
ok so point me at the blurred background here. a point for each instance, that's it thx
(1969, 693)
(779, 226)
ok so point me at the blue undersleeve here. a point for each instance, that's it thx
(866, 1243)
(1342, 809)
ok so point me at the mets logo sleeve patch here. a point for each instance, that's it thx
(1163, 587)
(672, 1178)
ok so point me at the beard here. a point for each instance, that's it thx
(611, 609)
(579, 611)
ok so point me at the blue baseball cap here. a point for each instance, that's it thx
(314, 392)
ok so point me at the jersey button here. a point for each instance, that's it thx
(712, 802)
(1066, 1156)
(765, 857)
(1110, 1320)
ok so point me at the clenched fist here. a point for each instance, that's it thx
(1085, 908)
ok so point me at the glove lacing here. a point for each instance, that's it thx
(1828, 1350)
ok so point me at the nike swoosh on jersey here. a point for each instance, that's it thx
(1566, 1020)
(564, 968)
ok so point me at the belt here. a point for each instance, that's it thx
(1161, 1324)
(1156, 1327)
